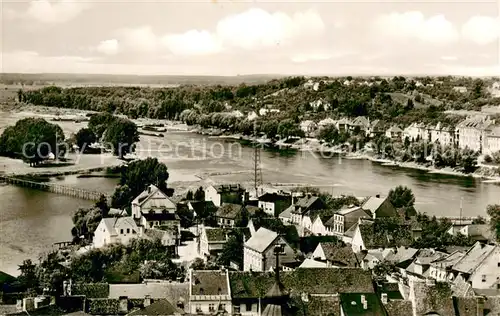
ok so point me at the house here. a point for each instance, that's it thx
(476, 232)
(213, 239)
(419, 269)
(201, 209)
(227, 213)
(472, 132)
(379, 206)
(258, 252)
(360, 123)
(460, 89)
(345, 218)
(337, 256)
(152, 200)
(370, 235)
(164, 219)
(318, 225)
(416, 131)
(226, 193)
(308, 127)
(326, 122)
(252, 116)
(343, 124)
(274, 203)
(492, 144)
(394, 132)
(316, 290)
(442, 134)
(320, 105)
(440, 269)
(480, 267)
(168, 237)
(209, 292)
(115, 230)
(304, 205)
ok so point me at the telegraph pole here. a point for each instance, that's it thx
(257, 171)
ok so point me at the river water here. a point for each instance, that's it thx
(30, 221)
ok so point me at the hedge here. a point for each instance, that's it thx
(103, 306)
(91, 290)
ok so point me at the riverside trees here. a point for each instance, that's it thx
(32, 139)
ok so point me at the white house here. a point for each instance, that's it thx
(460, 89)
(152, 200)
(258, 251)
(326, 122)
(394, 132)
(225, 193)
(115, 230)
(209, 293)
(492, 141)
(480, 267)
(252, 116)
(472, 132)
(308, 127)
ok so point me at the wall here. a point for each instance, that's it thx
(204, 306)
(212, 195)
(101, 236)
(267, 207)
(252, 260)
(490, 268)
(270, 259)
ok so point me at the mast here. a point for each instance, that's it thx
(257, 171)
(461, 209)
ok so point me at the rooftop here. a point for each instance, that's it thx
(229, 188)
(473, 257)
(164, 216)
(261, 240)
(229, 210)
(209, 282)
(352, 304)
(273, 197)
(157, 308)
(340, 256)
(112, 222)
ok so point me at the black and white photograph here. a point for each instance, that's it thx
(250, 157)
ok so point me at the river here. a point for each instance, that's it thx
(32, 220)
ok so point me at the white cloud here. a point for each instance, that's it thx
(192, 42)
(258, 28)
(414, 25)
(31, 61)
(482, 29)
(252, 29)
(141, 39)
(302, 58)
(55, 12)
(108, 47)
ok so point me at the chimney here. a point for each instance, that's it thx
(377, 196)
(384, 298)
(480, 306)
(364, 302)
(147, 300)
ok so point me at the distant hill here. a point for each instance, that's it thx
(126, 80)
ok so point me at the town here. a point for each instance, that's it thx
(226, 250)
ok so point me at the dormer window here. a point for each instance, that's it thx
(121, 231)
(202, 291)
(219, 291)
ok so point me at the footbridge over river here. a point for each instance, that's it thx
(52, 187)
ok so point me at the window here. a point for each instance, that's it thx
(483, 278)
(198, 308)
(223, 306)
(498, 264)
(211, 307)
(121, 231)
(248, 307)
(128, 230)
(201, 291)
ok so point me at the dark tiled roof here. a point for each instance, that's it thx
(384, 236)
(342, 256)
(399, 308)
(391, 289)
(273, 197)
(229, 210)
(433, 299)
(160, 216)
(159, 307)
(318, 305)
(352, 304)
(308, 280)
(203, 207)
(216, 234)
(209, 282)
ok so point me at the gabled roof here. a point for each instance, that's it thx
(448, 261)
(261, 240)
(117, 212)
(202, 207)
(303, 280)
(112, 223)
(216, 234)
(473, 258)
(287, 213)
(348, 210)
(310, 263)
(157, 233)
(148, 194)
(209, 282)
(395, 129)
(401, 254)
(373, 203)
(160, 307)
(341, 256)
(229, 210)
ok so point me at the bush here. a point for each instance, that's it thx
(488, 159)
(91, 290)
(103, 306)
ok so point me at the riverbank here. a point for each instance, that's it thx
(486, 173)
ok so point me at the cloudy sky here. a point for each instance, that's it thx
(230, 37)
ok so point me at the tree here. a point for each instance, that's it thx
(28, 274)
(401, 197)
(122, 134)
(141, 173)
(468, 160)
(189, 195)
(84, 138)
(231, 251)
(494, 214)
(242, 218)
(198, 264)
(85, 221)
(99, 123)
(199, 195)
(31, 139)
(122, 197)
(329, 134)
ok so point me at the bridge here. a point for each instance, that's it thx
(54, 188)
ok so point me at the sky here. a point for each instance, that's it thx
(231, 37)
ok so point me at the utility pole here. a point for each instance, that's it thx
(461, 209)
(257, 176)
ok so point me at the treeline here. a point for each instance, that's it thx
(375, 98)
